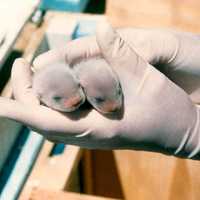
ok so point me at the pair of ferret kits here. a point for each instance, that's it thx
(65, 88)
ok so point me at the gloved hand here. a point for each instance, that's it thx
(174, 53)
(157, 114)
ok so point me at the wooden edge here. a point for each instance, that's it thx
(73, 160)
(38, 194)
(33, 176)
(58, 170)
(88, 172)
(52, 172)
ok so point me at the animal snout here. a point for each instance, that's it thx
(72, 102)
(111, 107)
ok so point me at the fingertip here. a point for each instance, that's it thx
(35, 63)
(20, 62)
(19, 66)
(105, 36)
(81, 49)
(21, 82)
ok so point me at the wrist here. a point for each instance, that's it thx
(190, 144)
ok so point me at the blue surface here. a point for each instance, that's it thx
(64, 5)
(19, 164)
(57, 149)
(84, 28)
(13, 156)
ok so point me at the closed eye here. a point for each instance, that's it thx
(99, 99)
(119, 92)
(57, 98)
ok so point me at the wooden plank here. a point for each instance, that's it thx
(38, 194)
(101, 178)
(73, 153)
(33, 179)
(88, 168)
(159, 13)
(56, 172)
(25, 36)
(146, 175)
(52, 172)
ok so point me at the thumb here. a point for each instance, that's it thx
(21, 80)
(117, 52)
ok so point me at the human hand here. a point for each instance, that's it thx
(152, 117)
(174, 53)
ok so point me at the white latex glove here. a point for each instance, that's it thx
(174, 53)
(157, 114)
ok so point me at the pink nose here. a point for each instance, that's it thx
(72, 102)
(111, 106)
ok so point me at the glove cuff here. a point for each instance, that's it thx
(190, 143)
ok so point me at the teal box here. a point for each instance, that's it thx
(85, 28)
(64, 5)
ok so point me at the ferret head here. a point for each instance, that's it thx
(58, 88)
(101, 85)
